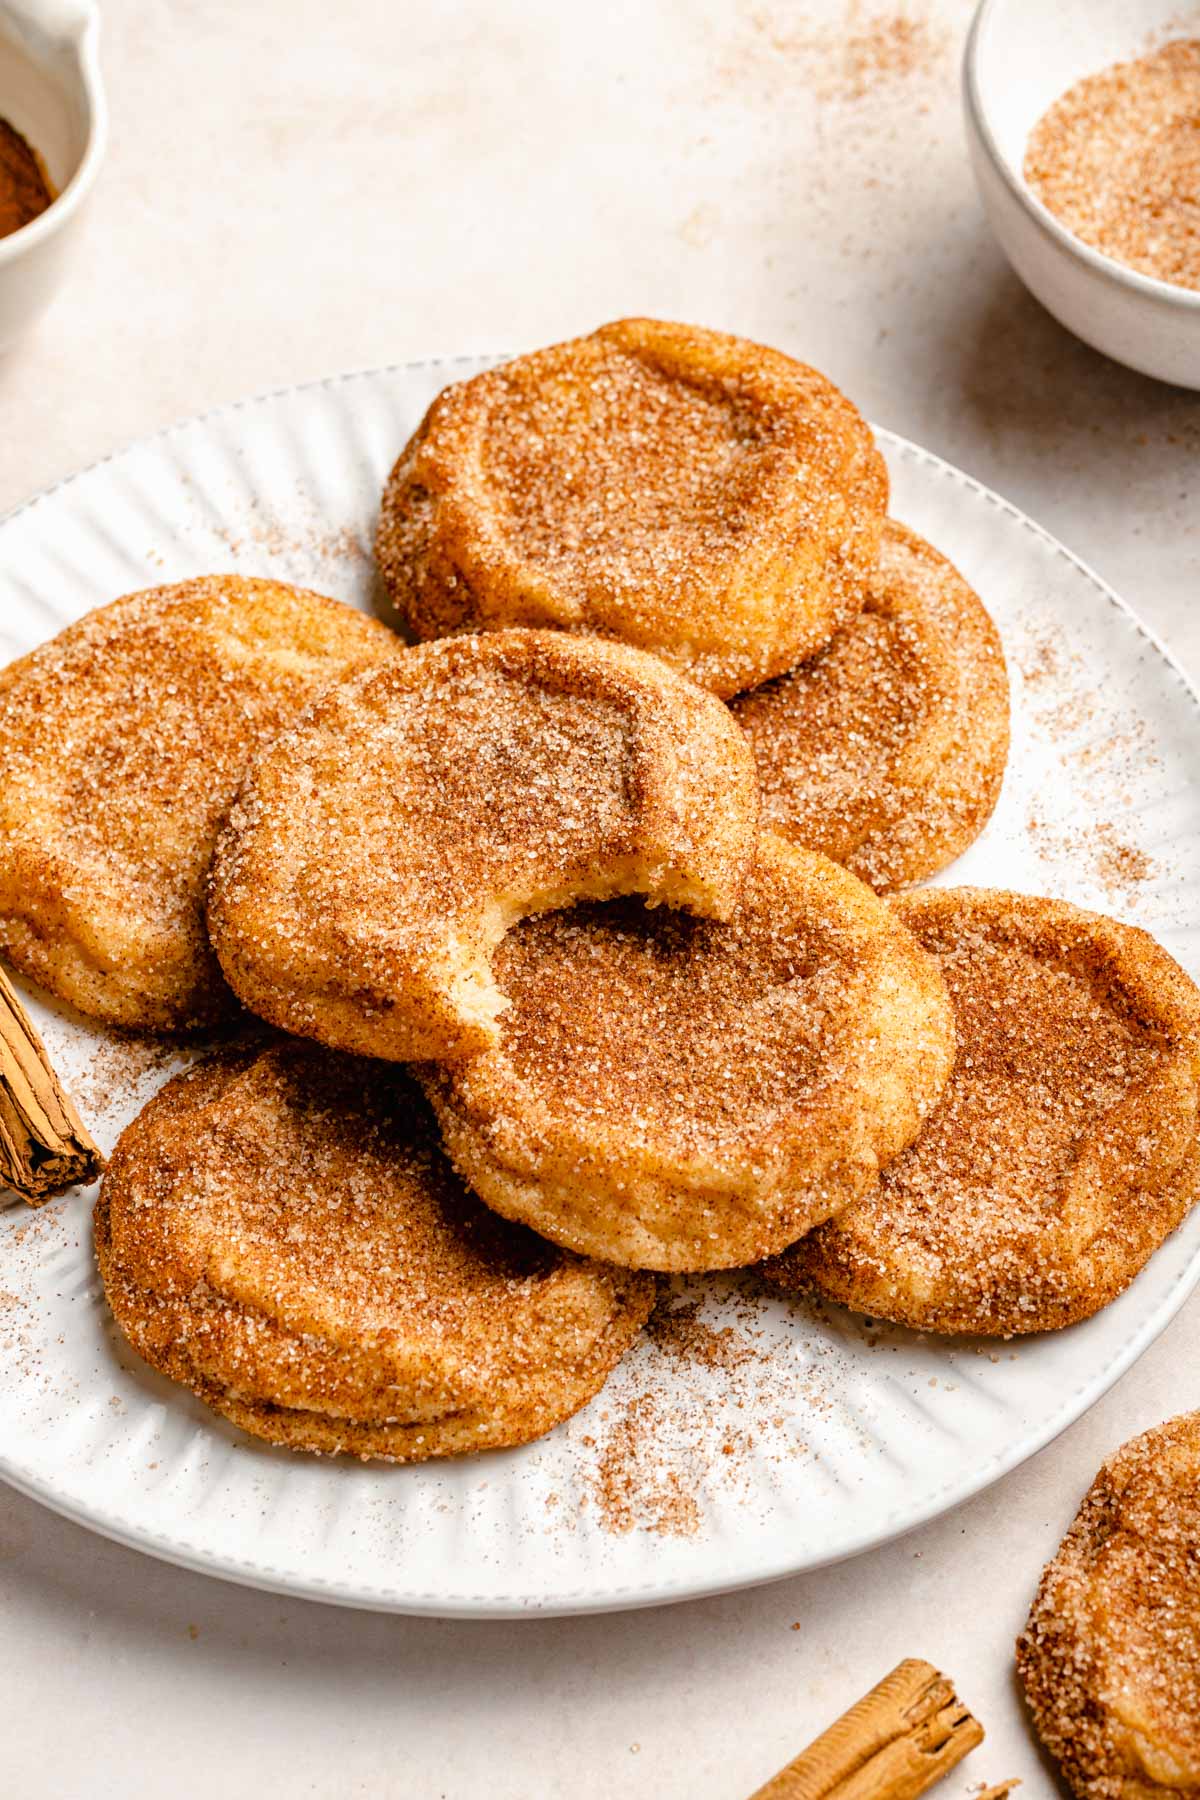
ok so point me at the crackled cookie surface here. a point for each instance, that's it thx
(1064, 1150)
(674, 1093)
(122, 743)
(691, 493)
(378, 852)
(279, 1231)
(886, 750)
(1110, 1656)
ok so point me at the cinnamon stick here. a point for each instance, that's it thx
(892, 1744)
(44, 1146)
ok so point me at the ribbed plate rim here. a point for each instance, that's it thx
(249, 1572)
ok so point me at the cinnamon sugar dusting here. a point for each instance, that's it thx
(687, 1086)
(122, 742)
(1117, 160)
(1074, 1055)
(681, 1334)
(712, 1404)
(120, 1069)
(1118, 867)
(870, 51)
(670, 1024)
(633, 1487)
(710, 1036)
(265, 536)
(565, 472)
(1084, 822)
(886, 750)
(1060, 1154)
(37, 1246)
(627, 470)
(887, 47)
(379, 851)
(279, 1231)
(1110, 1657)
(700, 496)
(1044, 659)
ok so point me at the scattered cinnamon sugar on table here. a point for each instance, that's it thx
(886, 47)
(868, 50)
(1117, 160)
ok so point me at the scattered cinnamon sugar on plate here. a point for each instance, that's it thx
(680, 1333)
(123, 1069)
(1087, 761)
(724, 1388)
(1118, 867)
(633, 1483)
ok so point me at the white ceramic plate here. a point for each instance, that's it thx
(748, 1438)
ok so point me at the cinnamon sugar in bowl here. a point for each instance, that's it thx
(1119, 288)
(51, 96)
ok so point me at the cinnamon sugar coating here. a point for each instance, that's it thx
(279, 1231)
(1064, 1150)
(379, 851)
(1117, 161)
(1110, 1656)
(691, 493)
(122, 743)
(673, 1093)
(887, 749)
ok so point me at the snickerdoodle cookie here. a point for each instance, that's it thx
(886, 750)
(122, 742)
(691, 493)
(1110, 1657)
(675, 1093)
(1064, 1150)
(379, 851)
(279, 1231)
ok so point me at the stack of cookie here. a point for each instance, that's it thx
(575, 971)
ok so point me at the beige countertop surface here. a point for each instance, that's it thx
(294, 189)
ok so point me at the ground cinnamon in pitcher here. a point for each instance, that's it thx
(1117, 160)
(24, 188)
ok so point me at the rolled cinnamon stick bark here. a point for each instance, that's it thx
(893, 1744)
(44, 1146)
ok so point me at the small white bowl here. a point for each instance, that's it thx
(1020, 56)
(50, 90)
